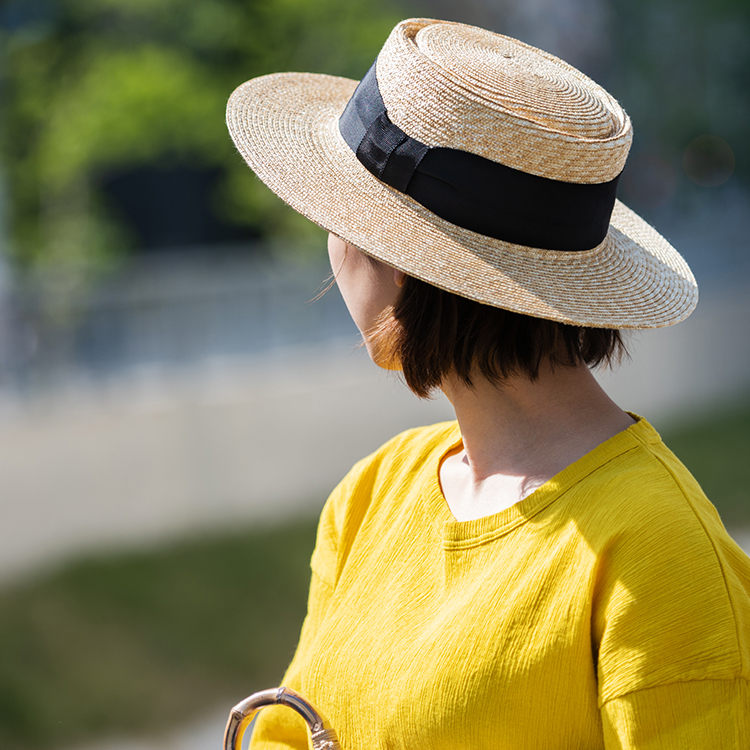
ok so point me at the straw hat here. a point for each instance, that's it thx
(474, 162)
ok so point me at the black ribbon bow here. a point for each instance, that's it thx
(472, 192)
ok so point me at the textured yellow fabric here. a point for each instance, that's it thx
(609, 609)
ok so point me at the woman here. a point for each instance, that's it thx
(542, 573)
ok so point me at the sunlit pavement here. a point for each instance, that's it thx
(204, 734)
(166, 455)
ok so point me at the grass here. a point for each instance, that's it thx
(716, 449)
(141, 641)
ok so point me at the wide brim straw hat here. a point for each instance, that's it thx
(471, 161)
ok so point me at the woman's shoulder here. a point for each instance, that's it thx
(420, 439)
(406, 451)
(635, 477)
(400, 461)
(670, 588)
(645, 516)
(403, 462)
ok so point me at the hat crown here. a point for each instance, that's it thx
(456, 86)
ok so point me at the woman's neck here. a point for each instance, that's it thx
(518, 435)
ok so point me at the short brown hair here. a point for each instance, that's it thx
(432, 333)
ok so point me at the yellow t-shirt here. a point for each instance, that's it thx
(609, 609)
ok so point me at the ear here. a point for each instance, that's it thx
(399, 277)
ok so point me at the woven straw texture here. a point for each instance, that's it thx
(462, 87)
(452, 85)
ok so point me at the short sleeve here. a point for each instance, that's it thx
(672, 621)
(341, 518)
(699, 715)
(671, 605)
(279, 727)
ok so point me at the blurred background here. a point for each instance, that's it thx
(173, 407)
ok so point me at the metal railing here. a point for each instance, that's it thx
(164, 311)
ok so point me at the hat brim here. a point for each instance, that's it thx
(285, 126)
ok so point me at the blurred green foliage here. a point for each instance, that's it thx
(715, 448)
(682, 70)
(139, 641)
(96, 87)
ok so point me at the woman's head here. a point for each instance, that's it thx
(431, 334)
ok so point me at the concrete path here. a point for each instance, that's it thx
(163, 454)
(247, 442)
(204, 734)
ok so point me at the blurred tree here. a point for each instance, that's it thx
(682, 70)
(112, 109)
(112, 134)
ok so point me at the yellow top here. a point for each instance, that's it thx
(609, 609)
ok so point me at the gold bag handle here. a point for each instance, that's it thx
(322, 734)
